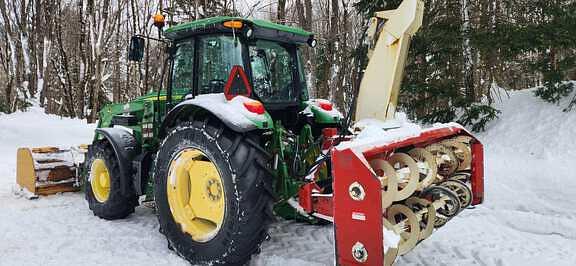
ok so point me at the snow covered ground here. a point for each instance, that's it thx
(529, 217)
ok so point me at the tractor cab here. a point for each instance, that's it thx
(236, 56)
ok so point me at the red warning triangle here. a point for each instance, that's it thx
(237, 84)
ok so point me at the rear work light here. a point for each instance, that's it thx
(255, 107)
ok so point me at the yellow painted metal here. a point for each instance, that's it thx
(100, 180)
(426, 164)
(390, 256)
(445, 159)
(379, 89)
(25, 173)
(462, 151)
(388, 179)
(426, 213)
(405, 223)
(461, 190)
(196, 194)
(408, 174)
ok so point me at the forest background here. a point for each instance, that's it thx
(70, 57)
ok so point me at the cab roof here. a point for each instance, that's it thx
(262, 29)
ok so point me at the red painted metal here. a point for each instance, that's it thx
(426, 136)
(329, 132)
(348, 167)
(477, 175)
(323, 205)
(356, 221)
(329, 135)
(305, 197)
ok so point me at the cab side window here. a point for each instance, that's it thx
(183, 68)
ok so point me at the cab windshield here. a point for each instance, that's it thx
(273, 66)
(272, 72)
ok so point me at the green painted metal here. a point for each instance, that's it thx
(217, 21)
(322, 116)
(149, 109)
(292, 162)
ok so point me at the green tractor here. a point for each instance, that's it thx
(222, 147)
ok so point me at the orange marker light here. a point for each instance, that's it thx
(159, 20)
(255, 107)
(233, 24)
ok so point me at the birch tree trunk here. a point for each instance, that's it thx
(468, 76)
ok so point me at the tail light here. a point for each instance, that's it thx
(326, 106)
(255, 107)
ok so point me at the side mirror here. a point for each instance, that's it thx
(136, 50)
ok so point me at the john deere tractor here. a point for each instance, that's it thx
(233, 139)
(232, 133)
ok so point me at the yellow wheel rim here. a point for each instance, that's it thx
(196, 194)
(100, 180)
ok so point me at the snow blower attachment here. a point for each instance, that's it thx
(389, 197)
(49, 170)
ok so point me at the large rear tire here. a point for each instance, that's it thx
(213, 193)
(103, 187)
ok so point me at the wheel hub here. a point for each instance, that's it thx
(100, 180)
(213, 190)
(195, 194)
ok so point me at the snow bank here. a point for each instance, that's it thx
(531, 126)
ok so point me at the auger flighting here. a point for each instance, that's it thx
(424, 188)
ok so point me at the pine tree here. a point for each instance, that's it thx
(556, 44)
(440, 83)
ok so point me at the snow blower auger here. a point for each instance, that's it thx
(234, 139)
(48, 170)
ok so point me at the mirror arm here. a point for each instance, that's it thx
(153, 39)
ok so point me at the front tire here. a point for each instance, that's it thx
(213, 193)
(103, 188)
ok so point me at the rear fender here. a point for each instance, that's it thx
(126, 148)
(231, 113)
